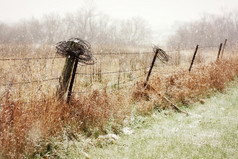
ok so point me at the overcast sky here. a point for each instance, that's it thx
(160, 14)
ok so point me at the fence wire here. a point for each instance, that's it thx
(113, 72)
(28, 82)
(124, 83)
(30, 58)
(90, 74)
(113, 53)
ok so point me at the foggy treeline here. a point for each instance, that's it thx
(98, 28)
(87, 24)
(208, 31)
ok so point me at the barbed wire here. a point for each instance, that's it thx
(46, 58)
(191, 49)
(96, 54)
(122, 53)
(113, 72)
(29, 58)
(123, 84)
(126, 82)
(28, 82)
(35, 101)
(57, 78)
(108, 53)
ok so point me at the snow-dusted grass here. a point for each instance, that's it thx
(210, 131)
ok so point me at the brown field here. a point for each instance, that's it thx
(105, 94)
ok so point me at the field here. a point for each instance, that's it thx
(106, 96)
(210, 131)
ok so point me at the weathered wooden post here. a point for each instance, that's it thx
(72, 79)
(194, 56)
(222, 52)
(76, 50)
(65, 77)
(219, 51)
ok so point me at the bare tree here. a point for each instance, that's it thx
(209, 30)
(87, 23)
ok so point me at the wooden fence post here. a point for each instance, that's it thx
(194, 56)
(65, 77)
(223, 48)
(218, 55)
(72, 79)
(72, 50)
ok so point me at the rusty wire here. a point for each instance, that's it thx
(77, 48)
(161, 54)
(124, 83)
(30, 58)
(113, 72)
(28, 82)
(98, 54)
(122, 53)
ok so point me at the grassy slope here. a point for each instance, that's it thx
(211, 131)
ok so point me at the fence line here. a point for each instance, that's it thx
(85, 74)
(46, 58)
(89, 74)
(113, 72)
(124, 83)
(123, 53)
(28, 82)
(30, 58)
(98, 54)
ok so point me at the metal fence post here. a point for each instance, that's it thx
(218, 55)
(151, 67)
(194, 56)
(222, 52)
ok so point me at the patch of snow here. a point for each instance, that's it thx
(127, 131)
(112, 136)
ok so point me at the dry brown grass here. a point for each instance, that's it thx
(185, 87)
(30, 116)
(24, 125)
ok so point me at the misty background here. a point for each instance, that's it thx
(172, 23)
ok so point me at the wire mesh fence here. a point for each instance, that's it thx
(111, 71)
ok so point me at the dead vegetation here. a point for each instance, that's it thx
(186, 87)
(29, 120)
(24, 125)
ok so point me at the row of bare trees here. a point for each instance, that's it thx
(86, 23)
(209, 30)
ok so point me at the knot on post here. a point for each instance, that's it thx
(76, 50)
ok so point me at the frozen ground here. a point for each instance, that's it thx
(210, 131)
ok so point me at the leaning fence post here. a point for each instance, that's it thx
(223, 48)
(65, 77)
(218, 55)
(151, 67)
(161, 54)
(194, 56)
(72, 79)
(75, 50)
